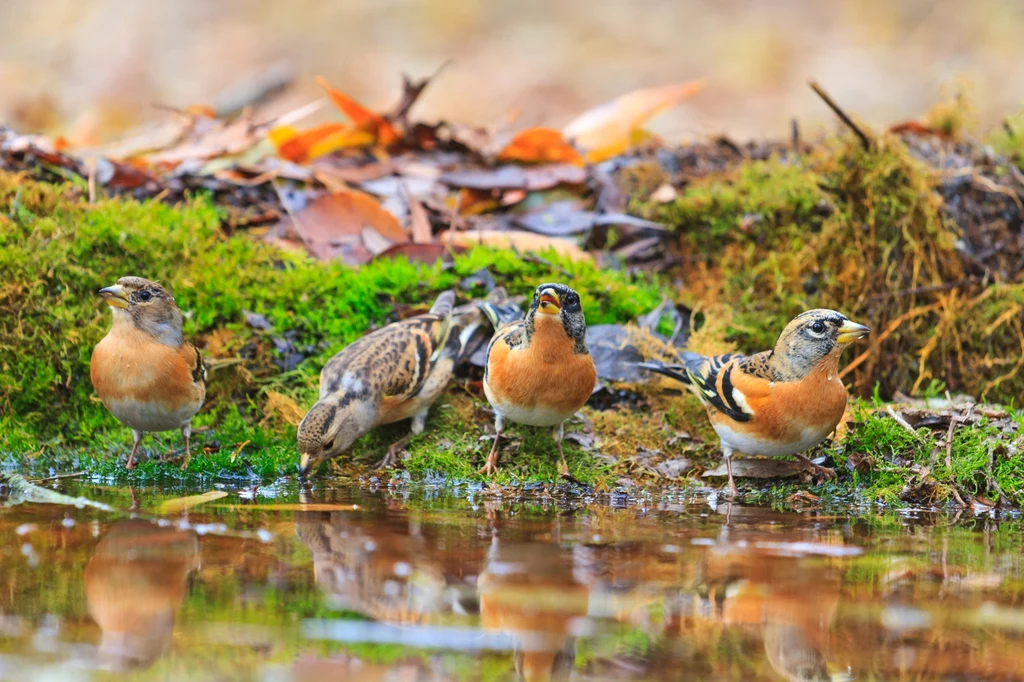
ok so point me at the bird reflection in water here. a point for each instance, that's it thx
(134, 584)
(537, 593)
(381, 569)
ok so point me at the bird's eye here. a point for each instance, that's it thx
(328, 444)
(145, 295)
(818, 327)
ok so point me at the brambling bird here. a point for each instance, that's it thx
(393, 373)
(778, 402)
(539, 371)
(145, 372)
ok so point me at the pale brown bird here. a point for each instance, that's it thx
(777, 402)
(145, 372)
(393, 373)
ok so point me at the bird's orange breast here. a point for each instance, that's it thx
(127, 365)
(548, 374)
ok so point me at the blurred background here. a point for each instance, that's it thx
(90, 69)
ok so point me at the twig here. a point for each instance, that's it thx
(902, 422)
(843, 116)
(953, 421)
(794, 129)
(411, 91)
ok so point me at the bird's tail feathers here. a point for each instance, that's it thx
(692, 363)
(500, 309)
(443, 305)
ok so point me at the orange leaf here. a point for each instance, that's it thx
(475, 201)
(609, 127)
(295, 145)
(540, 145)
(364, 119)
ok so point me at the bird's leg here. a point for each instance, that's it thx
(827, 473)
(491, 467)
(559, 433)
(733, 491)
(419, 421)
(186, 431)
(137, 438)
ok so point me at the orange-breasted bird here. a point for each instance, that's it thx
(777, 402)
(539, 371)
(393, 373)
(144, 370)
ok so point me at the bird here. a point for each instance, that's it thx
(539, 371)
(391, 374)
(778, 402)
(145, 372)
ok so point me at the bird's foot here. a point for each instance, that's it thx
(490, 467)
(391, 459)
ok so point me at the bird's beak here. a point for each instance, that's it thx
(851, 331)
(306, 464)
(549, 302)
(115, 296)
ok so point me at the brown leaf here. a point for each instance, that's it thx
(607, 130)
(417, 253)
(758, 468)
(513, 239)
(540, 145)
(333, 226)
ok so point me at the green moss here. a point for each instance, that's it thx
(56, 251)
(900, 466)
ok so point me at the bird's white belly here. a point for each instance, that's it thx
(747, 445)
(151, 416)
(538, 415)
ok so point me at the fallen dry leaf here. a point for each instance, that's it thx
(513, 177)
(607, 129)
(334, 226)
(362, 118)
(297, 146)
(758, 468)
(540, 145)
(513, 239)
(416, 253)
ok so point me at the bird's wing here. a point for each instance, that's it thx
(509, 337)
(196, 366)
(714, 380)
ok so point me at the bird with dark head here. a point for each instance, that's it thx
(539, 371)
(391, 374)
(778, 402)
(145, 372)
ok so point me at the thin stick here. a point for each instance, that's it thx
(902, 422)
(864, 139)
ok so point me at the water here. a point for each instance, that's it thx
(429, 586)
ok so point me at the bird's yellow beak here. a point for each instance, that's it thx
(306, 463)
(549, 302)
(115, 296)
(851, 331)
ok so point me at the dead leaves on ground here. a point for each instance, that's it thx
(378, 185)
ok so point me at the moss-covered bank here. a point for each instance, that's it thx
(56, 251)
